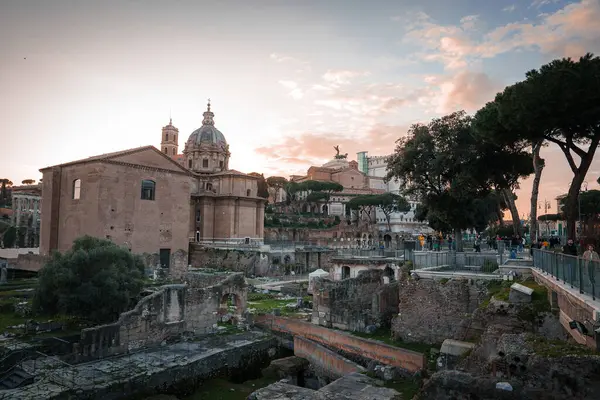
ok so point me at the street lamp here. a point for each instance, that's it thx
(585, 187)
(547, 206)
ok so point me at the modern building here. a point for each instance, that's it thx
(154, 201)
(400, 222)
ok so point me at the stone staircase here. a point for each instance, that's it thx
(17, 377)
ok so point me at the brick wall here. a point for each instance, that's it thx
(325, 361)
(374, 350)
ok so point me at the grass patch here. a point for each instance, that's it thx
(255, 296)
(557, 348)
(443, 281)
(408, 387)
(385, 335)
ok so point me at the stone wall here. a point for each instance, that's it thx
(171, 311)
(325, 362)
(251, 262)
(354, 304)
(350, 344)
(431, 311)
(28, 262)
(277, 261)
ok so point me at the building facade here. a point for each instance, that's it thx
(26, 214)
(400, 222)
(154, 201)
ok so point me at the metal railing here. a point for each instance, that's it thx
(575, 271)
(486, 262)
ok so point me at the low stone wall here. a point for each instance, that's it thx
(250, 262)
(27, 262)
(326, 362)
(426, 259)
(371, 349)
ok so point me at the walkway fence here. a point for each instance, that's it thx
(484, 262)
(574, 271)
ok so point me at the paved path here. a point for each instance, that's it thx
(276, 286)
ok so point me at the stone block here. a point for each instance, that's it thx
(456, 347)
(520, 294)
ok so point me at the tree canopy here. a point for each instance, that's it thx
(452, 171)
(28, 181)
(95, 279)
(557, 103)
(263, 189)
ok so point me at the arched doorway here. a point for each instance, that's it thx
(324, 210)
(305, 208)
(345, 272)
(387, 240)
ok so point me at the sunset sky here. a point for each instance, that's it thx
(288, 79)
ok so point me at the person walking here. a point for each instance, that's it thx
(570, 250)
(591, 258)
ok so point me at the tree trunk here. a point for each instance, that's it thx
(509, 198)
(571, 207)
(538, 167)
(458, 241)
(500, 216)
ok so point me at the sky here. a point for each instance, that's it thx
(287, 79)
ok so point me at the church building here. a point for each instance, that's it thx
(154, 202)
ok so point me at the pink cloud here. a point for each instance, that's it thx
(569, 32)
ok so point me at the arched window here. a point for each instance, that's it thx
(174, 151)
(190, 164)
(166, 137)
(165, 151)
(148, 190)
(248, 192)
(76, 189)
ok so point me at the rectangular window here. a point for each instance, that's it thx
(190, 164)
(76, 189)
(148, 190)
(198, 216)
(220, 164)
(205, 163)
(174, 151)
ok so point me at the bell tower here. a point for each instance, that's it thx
(169, 140)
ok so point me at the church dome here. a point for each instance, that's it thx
(207, 134)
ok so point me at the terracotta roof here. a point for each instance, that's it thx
(108, 156)
(6, 211)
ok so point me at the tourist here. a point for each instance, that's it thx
(570, 249)
(591, 258)
(477, 244)
(449, 242)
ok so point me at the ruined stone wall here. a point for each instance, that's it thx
(171, 311)
(326, 362)
(348, 304)
(251, 262)
(431, 311)
(353, 345)
(28, 262)
(154, 318)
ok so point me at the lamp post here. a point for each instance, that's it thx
(547, 206)
(585, 186)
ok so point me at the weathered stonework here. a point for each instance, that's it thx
(431, 311)
(171, 311)
(354, 304)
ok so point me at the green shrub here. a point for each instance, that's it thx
(96, 280)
